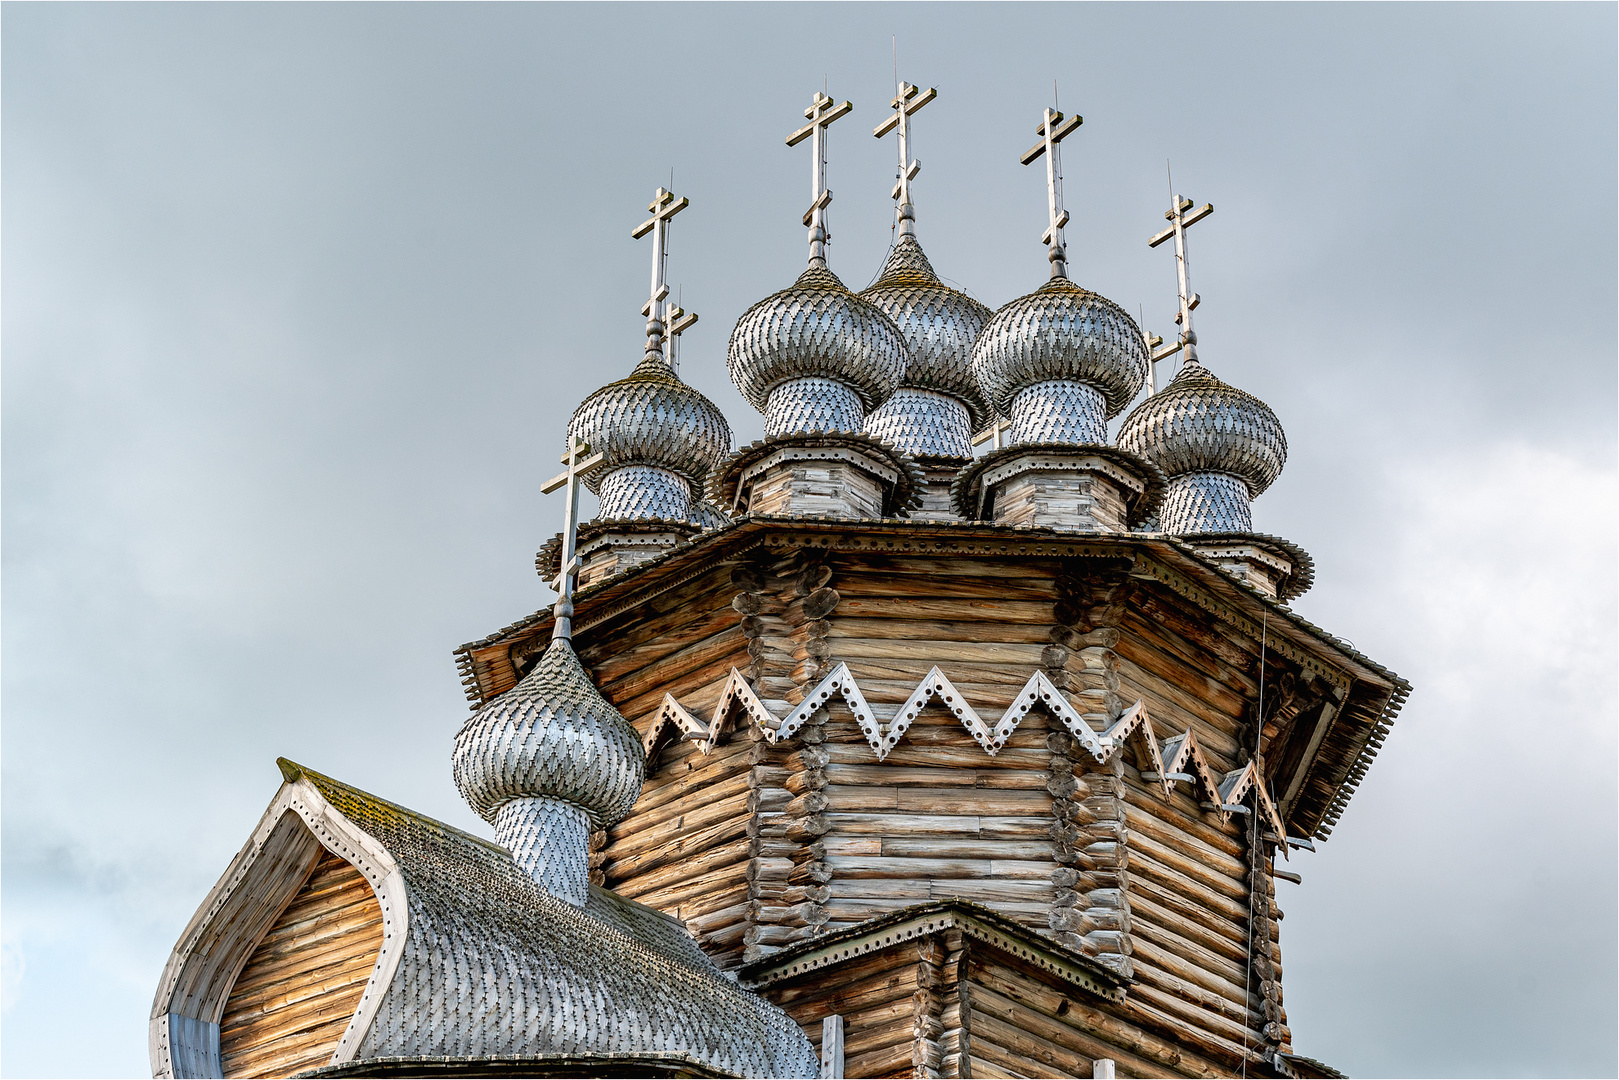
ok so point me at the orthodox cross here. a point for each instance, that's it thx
(578, 464)
(1179, 222)
(821, 113)
(1053, 130)
(680, 320)
(664, 206)
(907, 101)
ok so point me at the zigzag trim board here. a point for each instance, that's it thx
(1177, 760)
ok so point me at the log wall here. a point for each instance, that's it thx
(756, 846)
(294, 998)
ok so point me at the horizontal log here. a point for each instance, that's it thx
(680, 777)
(1181, 819)
(677, 870)
(629, 679)
(981, 826)
(1192, 867)
(1233, 930)
(1144, 927)
(889, 774)
(679, 846)
(866, 866)
(891, 624)
(1143, 864)
(684, 889)
(725, 812)
(1143, 906)
(1149, 958)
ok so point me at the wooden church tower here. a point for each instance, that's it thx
(971, 766)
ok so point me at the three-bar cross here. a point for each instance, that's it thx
(821, 113)
(579, 460)
(1053, 130)
(906, 102)
(1179, 222)
(664, 206)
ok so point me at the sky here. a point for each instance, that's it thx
(296, 301)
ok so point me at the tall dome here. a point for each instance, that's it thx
(660, 438)
(815, 357)
(1220, 447)
(1060, 362)
(547, 763)
(938, 404)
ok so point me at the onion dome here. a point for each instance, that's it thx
(1220, 447)
(659, 436)
(815, 357)
(1060, 362)
(938, 404)
(552, 736)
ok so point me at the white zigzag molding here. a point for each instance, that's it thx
(1178, 759)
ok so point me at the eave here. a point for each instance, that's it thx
(1345, 740)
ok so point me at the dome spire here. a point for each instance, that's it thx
(1179, 222)
(664, 205)
(550, 760)
(821, 113)
(907, 100)
(1053, 129)
(659, 436)
(579, 461)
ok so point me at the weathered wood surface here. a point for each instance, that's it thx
(756, 846)
(294, 998)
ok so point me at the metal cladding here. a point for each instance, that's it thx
(550, 840)
(644, 491)
(1060, 333)
(653, 419)
(551, 736)
(940, 325)
(924, 424)
(1198, 425)
(1204, 502)
(812, 404)
(1058, 411)
(817, 329)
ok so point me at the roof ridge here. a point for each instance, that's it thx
(292, 772)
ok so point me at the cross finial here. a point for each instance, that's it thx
(822, 112)
(680, 320)
(664, 206)
(1053, 129)
(1179, 222)
(907, 101)
(579, 461)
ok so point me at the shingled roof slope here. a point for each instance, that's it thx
(495, 967)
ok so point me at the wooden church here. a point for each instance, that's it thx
(853, 752)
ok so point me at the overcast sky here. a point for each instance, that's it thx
(297, 301)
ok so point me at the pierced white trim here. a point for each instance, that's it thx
(199, 974)
(1178, 759)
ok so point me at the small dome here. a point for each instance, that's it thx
(940, 324)
(554, 736)
(816, 329)
(1061, 331)
(652, 418)
(1199, 424)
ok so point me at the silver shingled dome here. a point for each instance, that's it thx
(816, 329)
(940, 324)
(553, 736)
(652, 418)
(1061, 332)
(1199, 424)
